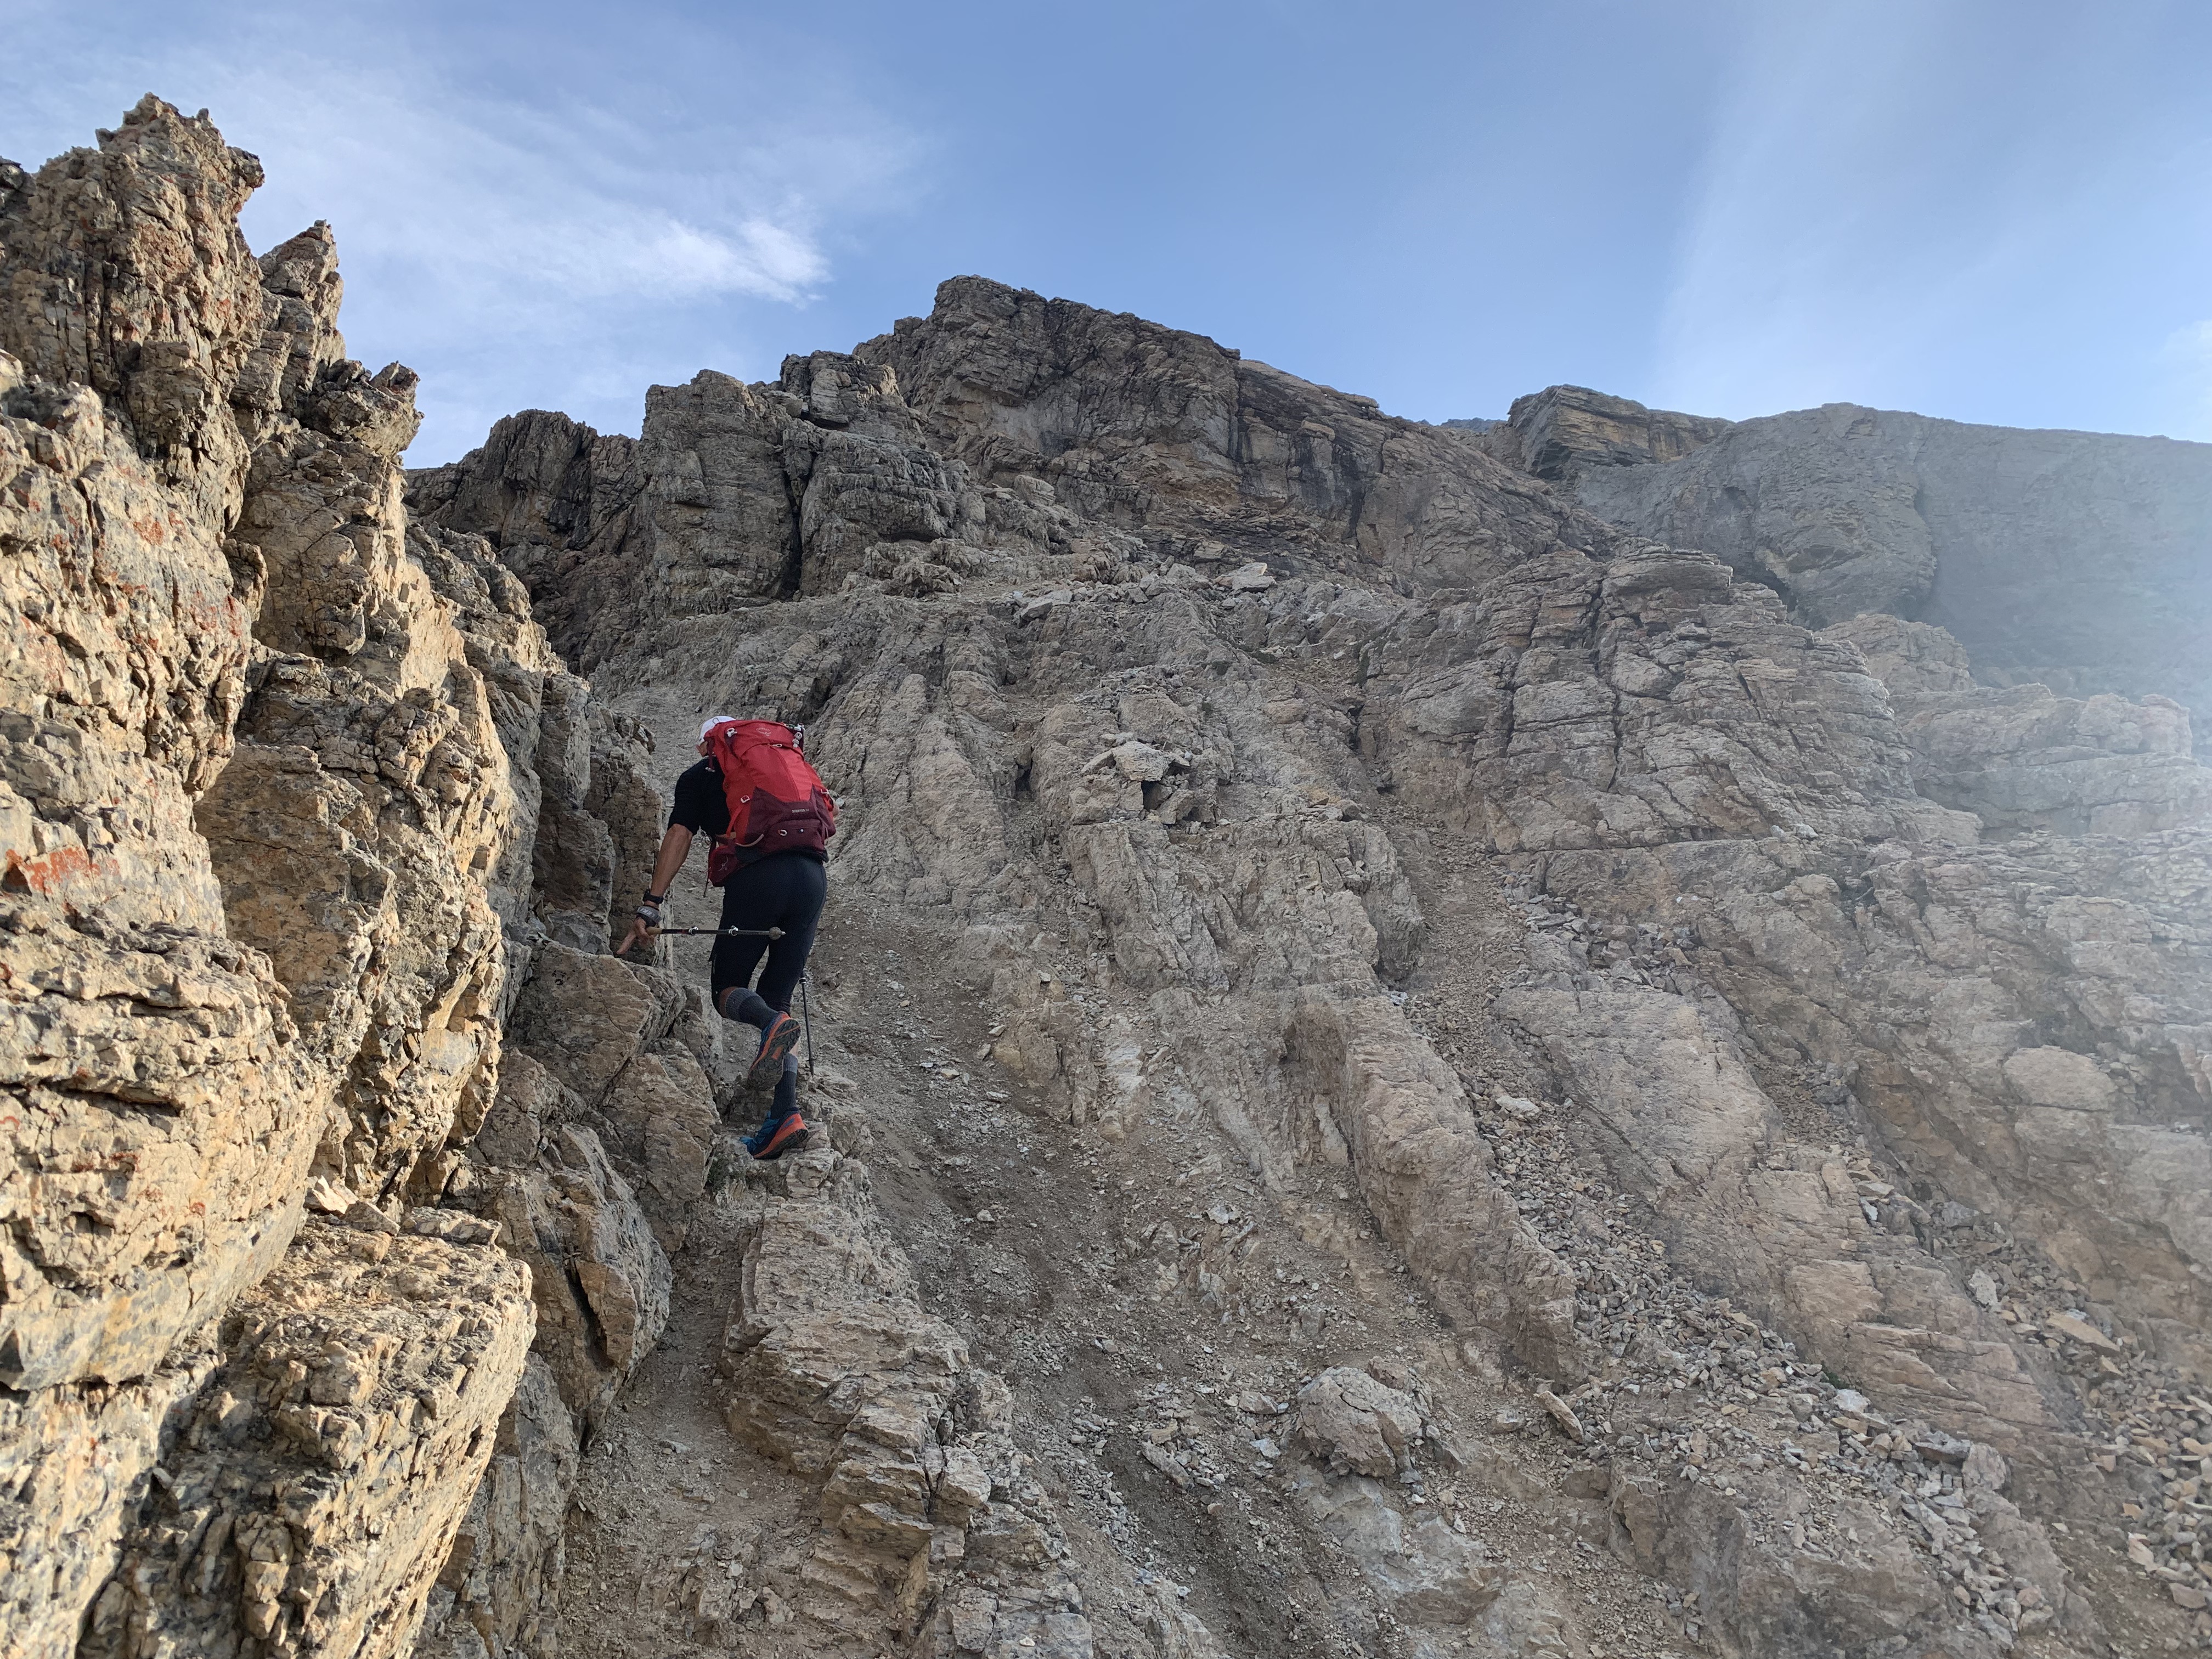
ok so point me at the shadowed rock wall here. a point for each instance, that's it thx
(2080, 560)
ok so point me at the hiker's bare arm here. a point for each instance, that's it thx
(675, 847)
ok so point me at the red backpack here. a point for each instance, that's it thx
(777, 801)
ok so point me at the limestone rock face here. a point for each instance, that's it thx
(1434, 1580)
(162, 1117)
(1202, 455)
(128, 1227)
(615, 1034)
(1007, 458)
(1558, 432)
(832, 1366)
(313, 1498)
(500, 1584)
(1351, 1421)
(1558, 712)
(2022, 759)
(74, 1464)
(2069, 559)
(600, 1278)
(1686, 975)
(1257, 760)
(288, 800)
(124, 273)
(368, 781)
(1999, 939)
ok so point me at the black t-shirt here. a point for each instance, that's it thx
(700, 805)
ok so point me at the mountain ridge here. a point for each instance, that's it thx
(1403, 1065)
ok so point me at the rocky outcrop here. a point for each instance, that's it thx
(499, 1590)
(1204, 456)
(1556, 713)
(933, 1536)
(2021, 758)
(1004, 458)
(1151, 678)
(290, 801)
(163, 1116)
(2068, 559)
(1350, 1421)
(1791, 821)
(1594, 1081)
(308, 1504)
(1557, 432)
(159, 1090)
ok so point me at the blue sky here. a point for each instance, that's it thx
(1993, 211)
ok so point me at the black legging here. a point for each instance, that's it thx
(785, 890)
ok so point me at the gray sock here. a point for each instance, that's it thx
(749, 1006)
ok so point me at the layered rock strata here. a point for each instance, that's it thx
(293, 801)
(2074, 559)
(1756, 1037)
(929, 1514)
(1559, 431)
(1149, 676)
(307, 1505)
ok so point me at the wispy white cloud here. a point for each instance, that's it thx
(1990, 208)
(1791, 276)
(514, 239)
(1900, 196)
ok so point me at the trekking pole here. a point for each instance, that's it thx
(806, 1016)
(728, 933)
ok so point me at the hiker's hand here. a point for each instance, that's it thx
(647, 924)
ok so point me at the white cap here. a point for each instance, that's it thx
(718, 720)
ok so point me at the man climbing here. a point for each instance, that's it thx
(770, 819)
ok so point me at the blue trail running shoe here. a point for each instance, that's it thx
(787, 1133)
